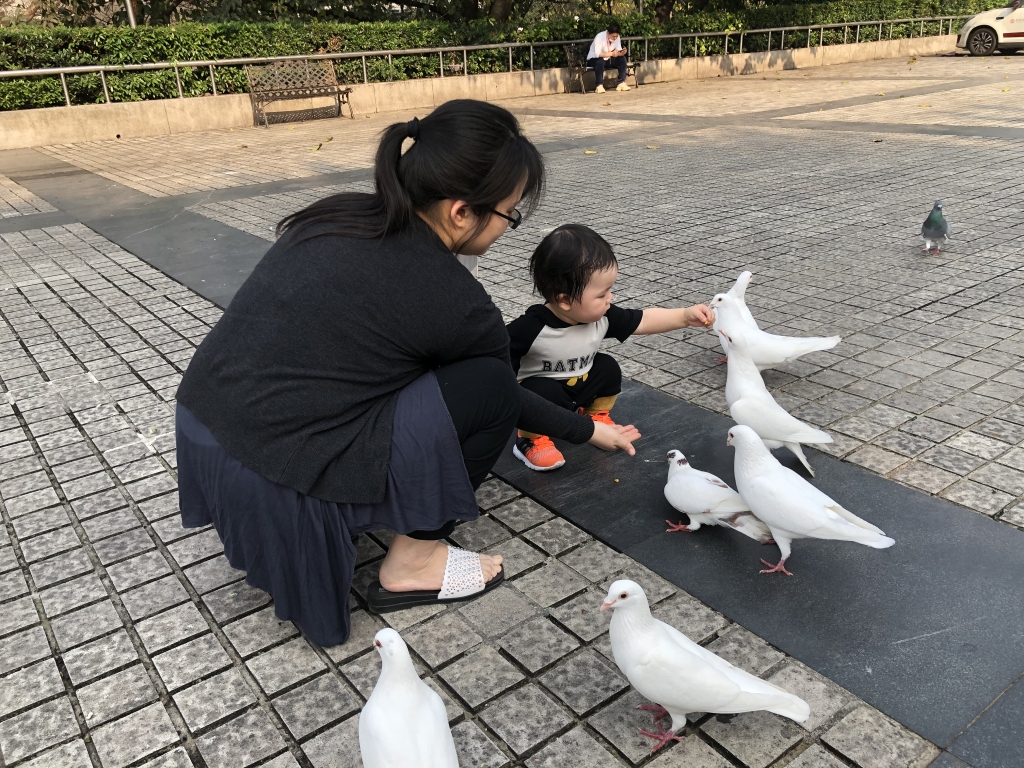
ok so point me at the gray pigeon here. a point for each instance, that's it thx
(935, 228)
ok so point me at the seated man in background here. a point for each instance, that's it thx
(607, 48)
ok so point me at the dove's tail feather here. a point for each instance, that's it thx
(803, 346)
(759, 694)
(794, 708)
(852, 518)
(799, 452)
(843, 532)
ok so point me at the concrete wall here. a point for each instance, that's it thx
(99, 122)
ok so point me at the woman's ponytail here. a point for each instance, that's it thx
(464, 150)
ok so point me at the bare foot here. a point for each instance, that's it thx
(412, 564)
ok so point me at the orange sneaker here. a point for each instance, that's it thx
(604, 417)
(538, 453)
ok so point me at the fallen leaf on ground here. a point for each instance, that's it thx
(924, 105)
(292, 128)
(606, 103)
(243, 146)
(317, 147)
(653, 146)
(329, 138)
(1005, 90)
(589, 151)
(881, 93)
(877, 141)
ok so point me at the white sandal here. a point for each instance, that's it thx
(463, 580)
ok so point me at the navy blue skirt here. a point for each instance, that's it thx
(299, 548)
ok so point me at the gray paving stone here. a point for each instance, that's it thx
(584, 681)
(110, 523)
(12, 585)
(85, 624)
(195, 548)
(64, 597)
(816, 757)
(60, 568)
(582, 615)
(110, 697)
(285, 665)
(315, 704)
(479, 534)
(756, 738)
(872, 740)
(556, 536)
(71, 755)
(337, 747)
(234, 600)
(595, 561)
(978, 497)
(493, 492)
(214, 699)
(497, 611)
(176, 758)
(690, 616)
(691, 753)
(656, 588)
(241, 742)
(99, 657)
(620, 723)
(142, 733)
(575, 749)
(39, 522)
(258, 631)
(212, 574)
(525, 717)
(187, 663)
(517, 556)
(29, 685)
(474, 748)
(170, 627)
(745, 650)
(550, 584)
(17, 615)
(123, 545)
(925, 476)
(521, 514)
(138, 570)
(402, 620)
(537, 643)
(154, 597)
(480, 676)
(37, 729)
(442, 638)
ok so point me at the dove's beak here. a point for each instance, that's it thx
(728, 440)
(607, 604)
(378, 643)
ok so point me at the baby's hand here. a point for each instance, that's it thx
(700, 316)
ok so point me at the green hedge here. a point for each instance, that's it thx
(32, 47)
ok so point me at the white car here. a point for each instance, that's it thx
(995, 30)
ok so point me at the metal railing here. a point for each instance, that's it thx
(944, 23)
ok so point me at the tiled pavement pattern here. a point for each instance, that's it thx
(126, 640)
(15, 200)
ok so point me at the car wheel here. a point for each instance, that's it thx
(982, 41)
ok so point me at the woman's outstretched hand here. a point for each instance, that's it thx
(615, 437)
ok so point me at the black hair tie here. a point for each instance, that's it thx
(412, 128)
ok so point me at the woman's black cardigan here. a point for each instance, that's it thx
(299, 378)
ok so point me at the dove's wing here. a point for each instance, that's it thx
(676, 677)
(783, 499)
(696, 492)
(767, 349)
(426, 738)
(772, 422)
(753, 693)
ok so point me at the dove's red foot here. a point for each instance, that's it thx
(675, 527)
(662, 712)
(770, 541)
(722, 359)
(778, 568)
(663, 737)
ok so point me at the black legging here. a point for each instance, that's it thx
(483, 400)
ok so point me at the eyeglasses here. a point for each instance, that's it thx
(513, 221)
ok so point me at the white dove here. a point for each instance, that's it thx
(668, 668)
(751, 403)
(790, 506)
(404, 723)
(707, 500)
(766, 349)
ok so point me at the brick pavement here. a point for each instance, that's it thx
(15, 200)
(125, 640)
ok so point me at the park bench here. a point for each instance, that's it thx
(300, 79)
(577, 57)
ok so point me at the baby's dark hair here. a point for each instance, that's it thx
(565, 261)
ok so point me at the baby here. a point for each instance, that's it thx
(554, 345)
